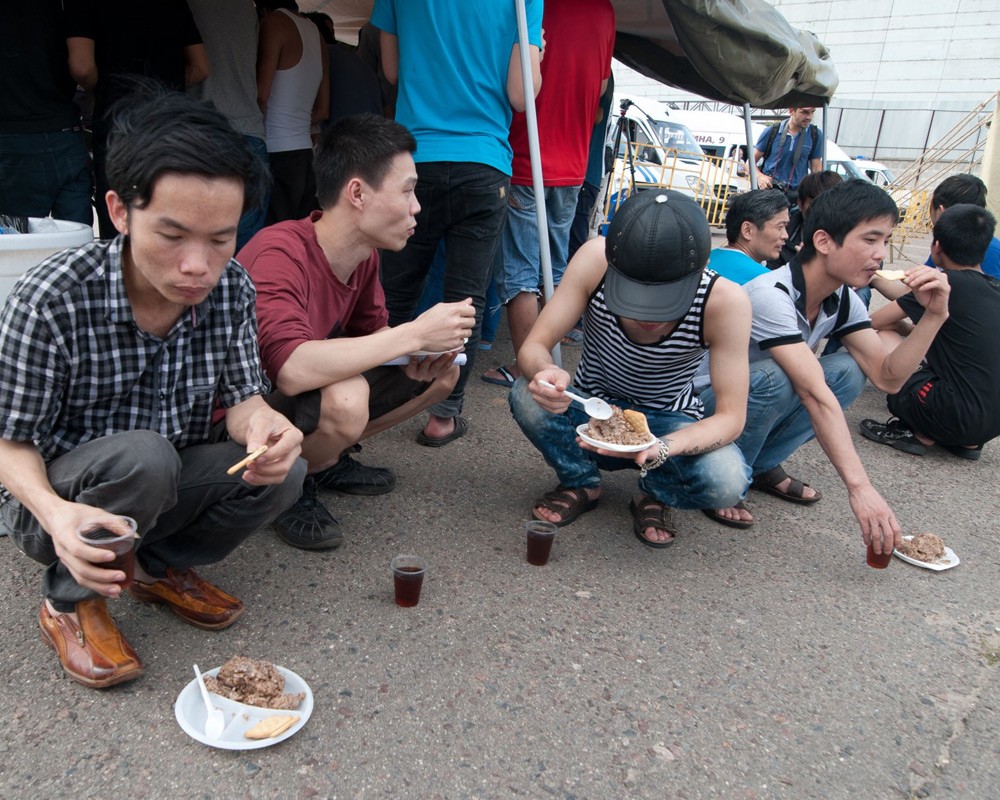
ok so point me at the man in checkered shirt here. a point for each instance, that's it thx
(113, 357)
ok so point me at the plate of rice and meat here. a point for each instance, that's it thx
(625, 432)
(928, 551)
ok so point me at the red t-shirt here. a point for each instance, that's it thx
(579, 42)
(299, 299)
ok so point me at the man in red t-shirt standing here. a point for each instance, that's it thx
(324, 335)
(579, 42)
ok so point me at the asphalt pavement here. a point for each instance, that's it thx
(768, 663)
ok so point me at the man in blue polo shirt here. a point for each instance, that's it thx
(789, 151)
(756, 229)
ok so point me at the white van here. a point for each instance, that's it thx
(877, 172)
(647, 148)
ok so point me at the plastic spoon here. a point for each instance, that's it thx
(594, 406)
(215, 720)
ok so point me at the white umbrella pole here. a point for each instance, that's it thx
(751, 161)
(536, 161)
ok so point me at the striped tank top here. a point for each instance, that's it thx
(655, 376)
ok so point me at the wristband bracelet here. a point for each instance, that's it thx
(656, 462)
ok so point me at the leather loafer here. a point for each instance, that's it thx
(191, 598)
(92, 651)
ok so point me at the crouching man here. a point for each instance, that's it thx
(112, 358)
(793, 394)
(324, 328)
(651, 312)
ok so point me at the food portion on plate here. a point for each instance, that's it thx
(628, 428)
(254, 683)
(927, 550)
(271, 727)
(926, 547)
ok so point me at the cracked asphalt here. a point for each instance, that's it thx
(769, 663)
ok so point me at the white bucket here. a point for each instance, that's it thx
(20, 252)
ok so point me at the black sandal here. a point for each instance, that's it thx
(568, 503)
(795, 493)
(651, 513)
(715, 516)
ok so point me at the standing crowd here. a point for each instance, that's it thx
(265, 241)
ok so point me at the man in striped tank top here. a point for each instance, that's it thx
(651, 311)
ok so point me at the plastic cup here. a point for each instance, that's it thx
(408, 578)
(540, 537)
(122, 545)
(878, 560)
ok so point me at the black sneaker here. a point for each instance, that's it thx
(968, 453)
(351, 477)
(307, 524)
(893, 433)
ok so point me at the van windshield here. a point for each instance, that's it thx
(676, 136)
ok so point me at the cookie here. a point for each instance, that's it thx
(271, 727)
(891, 274)
(636, 421)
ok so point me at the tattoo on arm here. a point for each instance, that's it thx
(708, 448)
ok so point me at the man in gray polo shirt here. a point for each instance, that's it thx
(793, 394)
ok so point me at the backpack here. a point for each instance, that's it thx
(772, 134)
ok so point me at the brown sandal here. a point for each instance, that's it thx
(650, 513)
(766, 481)
(742, 524)
(568, 503)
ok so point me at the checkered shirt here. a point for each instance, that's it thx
(74, 366)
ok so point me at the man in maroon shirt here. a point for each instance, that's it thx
(324, 335)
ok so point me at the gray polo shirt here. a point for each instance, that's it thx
(779, 312)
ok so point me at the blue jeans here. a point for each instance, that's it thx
(713, 480)
(253, 218)
(46, 173)
(777, 422)
(520, 270)
(465, 204)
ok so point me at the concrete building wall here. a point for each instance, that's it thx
(907, 50)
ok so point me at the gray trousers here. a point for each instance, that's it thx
(188, 510)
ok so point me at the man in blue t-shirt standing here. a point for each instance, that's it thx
(459, 77)
(788, 151)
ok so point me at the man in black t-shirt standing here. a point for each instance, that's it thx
(44, 164)
(951, 399)
(111, 41)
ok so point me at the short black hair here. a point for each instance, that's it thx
(359, 146)
(961, 188)
(815, 183)
(839, 210)
(756, 206)
(156, 132)
(964, 233)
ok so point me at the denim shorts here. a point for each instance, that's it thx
(519, 242)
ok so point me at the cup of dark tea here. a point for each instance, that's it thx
(878, 560)
(408, 578)
(540, 537)
(121, 544)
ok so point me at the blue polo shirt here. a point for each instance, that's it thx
(735, 265)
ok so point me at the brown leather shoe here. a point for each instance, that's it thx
(191, 598)
(92, 652)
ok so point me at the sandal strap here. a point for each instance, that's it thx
(772, 477)
(568, 499)
(796, 488)
(650, 513)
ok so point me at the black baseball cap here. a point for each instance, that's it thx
(657, 246)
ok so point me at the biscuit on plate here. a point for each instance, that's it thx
(272, 726)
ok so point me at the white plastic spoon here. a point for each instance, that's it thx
(215, 720)
(594, 406)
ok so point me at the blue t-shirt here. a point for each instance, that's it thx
(778, 163)
(453, 59)
(735, 265)
(991, 261)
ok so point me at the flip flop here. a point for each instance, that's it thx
(766, 481)
(506, 378)
(650, 513)
(568, 503)
(461, 427)
(715, 516)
